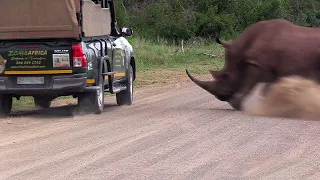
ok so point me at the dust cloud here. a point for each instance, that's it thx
(290, 97)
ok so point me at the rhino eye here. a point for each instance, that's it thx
(224, 76)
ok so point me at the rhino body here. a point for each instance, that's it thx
(264, 52)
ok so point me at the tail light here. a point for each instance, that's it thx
(79, 59)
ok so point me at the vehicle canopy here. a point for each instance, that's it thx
(35, 19)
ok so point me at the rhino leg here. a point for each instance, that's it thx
(253, 75)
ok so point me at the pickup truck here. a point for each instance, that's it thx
(54, 48)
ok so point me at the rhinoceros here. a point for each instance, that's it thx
(264, 52)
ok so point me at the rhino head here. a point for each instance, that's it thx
(237, 78)
(226, 81)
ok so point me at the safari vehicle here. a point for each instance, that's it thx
(53, 48)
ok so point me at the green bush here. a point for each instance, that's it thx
(175, 20)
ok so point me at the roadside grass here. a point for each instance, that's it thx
(161, 62)
(196, 57)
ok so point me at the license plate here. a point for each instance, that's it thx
(30, 80)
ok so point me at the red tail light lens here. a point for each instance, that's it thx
(79, 58)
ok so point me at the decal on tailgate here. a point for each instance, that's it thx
(61, 58)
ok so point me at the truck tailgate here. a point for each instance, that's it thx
(39, 56)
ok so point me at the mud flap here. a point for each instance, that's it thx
(5, 105)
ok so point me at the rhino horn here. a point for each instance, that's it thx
(206, 85)
(223, 43)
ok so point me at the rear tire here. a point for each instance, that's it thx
(6, 105)
(42, 103)
(93, 101)
(126, 97)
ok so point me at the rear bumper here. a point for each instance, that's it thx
(52, 84)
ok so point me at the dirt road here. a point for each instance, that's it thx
(171, 132)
